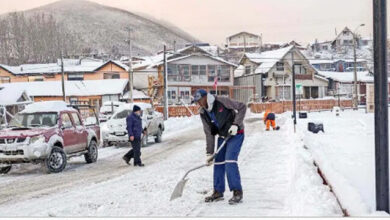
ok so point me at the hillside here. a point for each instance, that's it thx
(103, 29)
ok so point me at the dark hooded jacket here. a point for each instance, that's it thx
(219, 117)
(134, 125)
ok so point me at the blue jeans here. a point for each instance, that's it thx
(226, 161)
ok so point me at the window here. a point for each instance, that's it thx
(5, 79)
(75, 77)
(202, 70)
(299, 69)
(73, 100)
(212, 73)
(279, 66)
(173, 73)
(184, 94)
(172, 94)
(123, 114)
(76, 119)
(35, 78)
(110, 76)
(248, 70)
(195, 70)
(184, 71)
(224, 73)
(66, 122)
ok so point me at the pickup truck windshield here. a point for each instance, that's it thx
(34, 120)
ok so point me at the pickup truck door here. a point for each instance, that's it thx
(68, 133)
(81, 133)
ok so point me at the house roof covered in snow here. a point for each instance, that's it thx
(13, 96)
(268, 59)
(323, 61)
(207, 51)
(242, 32)
(136, 95)
(72, 88)
(70, 65)
(348, 77)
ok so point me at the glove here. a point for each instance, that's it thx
(210, 159)
(233, 130)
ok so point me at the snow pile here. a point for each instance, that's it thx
(345, 153)
(48, 106)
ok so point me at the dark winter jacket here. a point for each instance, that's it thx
(221, 115)
(134, 125)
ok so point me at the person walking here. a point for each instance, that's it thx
(224, 117)
(134, 130)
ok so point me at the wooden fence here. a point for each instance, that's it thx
(277, 107)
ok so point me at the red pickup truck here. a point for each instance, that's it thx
(48, 133)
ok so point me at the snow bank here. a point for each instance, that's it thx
(345, 153)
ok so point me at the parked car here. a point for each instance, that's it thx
(116, 125)
(108, 109)
(47, 133)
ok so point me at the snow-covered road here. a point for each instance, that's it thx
(278, 178)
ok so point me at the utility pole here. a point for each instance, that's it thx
(63, 77)
(355, 89)
(130, 72)
(166, 112)
(293, 89)
(355, 93)
(381, 106)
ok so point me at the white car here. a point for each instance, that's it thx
(106, 110)
(116, 126)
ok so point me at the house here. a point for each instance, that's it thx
(95, 92)
(339, 65)
(341, 84)
(12, 101)
(270, 73)
(321, 46)
(189, 69)
(345, 39)
(74, 69)
(244, 41)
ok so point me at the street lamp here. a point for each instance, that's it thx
(355, 93)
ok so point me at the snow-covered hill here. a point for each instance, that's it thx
(104, 29)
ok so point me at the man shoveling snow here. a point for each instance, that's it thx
(224, 117)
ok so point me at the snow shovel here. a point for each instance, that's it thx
(178, 191)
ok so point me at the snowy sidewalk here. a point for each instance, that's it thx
(278, 179)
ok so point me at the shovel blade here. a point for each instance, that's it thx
(178, 191)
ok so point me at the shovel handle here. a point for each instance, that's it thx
(213, 157)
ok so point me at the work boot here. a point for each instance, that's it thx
(237, 197)
(216, 196)
(127, 160)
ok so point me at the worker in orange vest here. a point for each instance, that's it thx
(269, 119)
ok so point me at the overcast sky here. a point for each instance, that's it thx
(213, 20)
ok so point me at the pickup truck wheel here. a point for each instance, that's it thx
(92, 155)
(56, 161)
(5, 169)
(158, 138)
